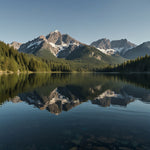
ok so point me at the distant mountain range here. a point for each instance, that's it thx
(15, 44)
(122, 47)
(140, 50)
(57, 45)
(113, 47)
(60, 45)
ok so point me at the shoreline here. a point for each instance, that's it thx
(30, 72)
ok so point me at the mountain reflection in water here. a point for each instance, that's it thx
(62, 92)
(75, 111)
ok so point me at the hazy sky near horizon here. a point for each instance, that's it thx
(84, 20)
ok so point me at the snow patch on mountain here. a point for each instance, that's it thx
(55, 42)
(118, 49)
(112, 47)
(122, 49)
(63, 46)
(107, 51)
(34, 44)
(52, 44)
(56, 31)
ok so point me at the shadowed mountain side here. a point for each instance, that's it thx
(140, 50)
(92, 55)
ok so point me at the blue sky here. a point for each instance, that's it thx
(85, 20)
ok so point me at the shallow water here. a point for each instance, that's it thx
(75, 111)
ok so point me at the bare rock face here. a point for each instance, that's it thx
(112, 47)
(122, 45)
(54, 37)
(102, 44)
(60, 45)
(31, 46)
(15, 44)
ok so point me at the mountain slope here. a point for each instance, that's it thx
(12, 60)
(122, 45)
(60, 45)
(102, 44)
(112, 47)
(90, 54)
(138, 51)
(15, 44)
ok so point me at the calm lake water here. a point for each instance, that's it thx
(75, 111)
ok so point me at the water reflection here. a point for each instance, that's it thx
(62, 92)
(121, 122)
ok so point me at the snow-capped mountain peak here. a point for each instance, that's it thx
(60, 45)
(112, 47)
(56, 31)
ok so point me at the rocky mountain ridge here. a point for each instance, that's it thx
(113, 47)
(60, 45)
(15, 44)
